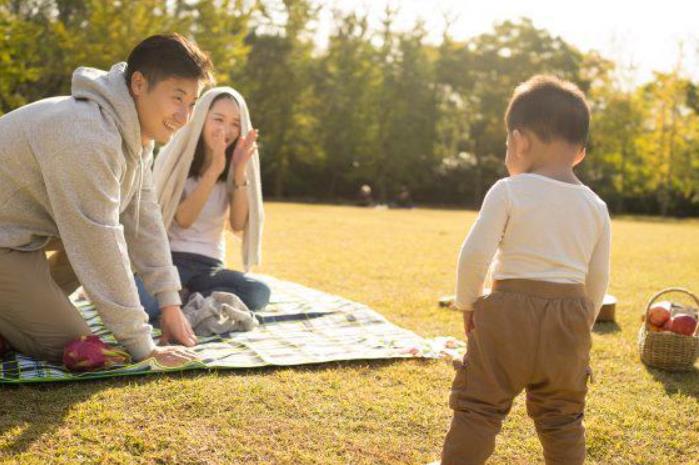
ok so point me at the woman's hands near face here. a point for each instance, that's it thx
(218, 155)
(245, 148)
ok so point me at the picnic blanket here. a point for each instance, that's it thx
(300, 326)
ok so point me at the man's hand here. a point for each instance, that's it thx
(469, 325)
(175, 327)
(173, 356)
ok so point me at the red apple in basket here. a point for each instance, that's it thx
(684, 324)
(667, 326)
(660, 313)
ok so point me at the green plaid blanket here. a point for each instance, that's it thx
(299, 326)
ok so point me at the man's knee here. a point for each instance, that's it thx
(49, 348)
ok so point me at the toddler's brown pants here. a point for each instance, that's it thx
(533, 336)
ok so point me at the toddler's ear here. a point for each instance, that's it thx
(580, 156)
(521, 141)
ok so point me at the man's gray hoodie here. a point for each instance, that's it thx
(74, 168)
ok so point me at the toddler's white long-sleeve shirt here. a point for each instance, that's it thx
(539, 228)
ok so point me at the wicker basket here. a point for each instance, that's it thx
(666, 350)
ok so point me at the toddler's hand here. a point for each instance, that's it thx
(469, 325)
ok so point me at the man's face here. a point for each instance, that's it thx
(165, 107)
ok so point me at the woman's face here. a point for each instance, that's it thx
(223, 116)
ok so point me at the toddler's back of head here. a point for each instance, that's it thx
(551, 108)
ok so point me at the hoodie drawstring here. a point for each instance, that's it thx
(138, 193)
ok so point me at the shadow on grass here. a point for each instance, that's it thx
(35, 410)
(606, 327)
(678, 382)
(38, 410)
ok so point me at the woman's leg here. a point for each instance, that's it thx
(190, 265)
(255, 294)
(150, 303)
(187, 266)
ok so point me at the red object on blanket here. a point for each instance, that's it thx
(89, 353)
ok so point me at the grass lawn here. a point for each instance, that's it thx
(391, 412)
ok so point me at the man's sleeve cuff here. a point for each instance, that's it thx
(169, 298)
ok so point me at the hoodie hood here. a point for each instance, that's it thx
(110, 92)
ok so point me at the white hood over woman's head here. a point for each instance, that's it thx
(174, 160)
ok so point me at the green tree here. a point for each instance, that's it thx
(345, 81)
(493, 64)
(670, 145)
(277, 82)
(21, 64)
(220, 27)
(406, 108)
(614, 167)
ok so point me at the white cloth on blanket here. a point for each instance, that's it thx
(174, 160)
(221, 312)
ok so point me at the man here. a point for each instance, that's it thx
(75, 178)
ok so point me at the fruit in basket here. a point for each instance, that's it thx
(684, 324)
(659, 313)
(664, 328)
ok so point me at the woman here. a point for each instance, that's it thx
(206, 176)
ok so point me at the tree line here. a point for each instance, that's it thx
(377, 106)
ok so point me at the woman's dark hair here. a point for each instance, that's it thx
(200, 151)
